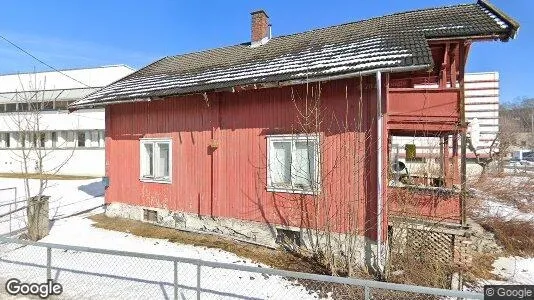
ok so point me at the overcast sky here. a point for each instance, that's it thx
(73, 34)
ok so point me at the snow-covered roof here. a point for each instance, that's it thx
(391, 42)
(73, 84)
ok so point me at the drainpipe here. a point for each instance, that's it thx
(379, 183)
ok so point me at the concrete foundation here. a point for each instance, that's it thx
(362, 250)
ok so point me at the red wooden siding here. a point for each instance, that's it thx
(426, 203)
(435, 110)
(230, 180)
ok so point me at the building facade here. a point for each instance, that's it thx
(293, 133)
(33, 113)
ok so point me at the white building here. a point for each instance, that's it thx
(74, 140)
(482, 115)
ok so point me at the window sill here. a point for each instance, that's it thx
(292, 190)
(150, 180)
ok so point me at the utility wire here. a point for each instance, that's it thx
(42, 62)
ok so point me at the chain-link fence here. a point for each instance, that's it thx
(12, 211)
(89, 273)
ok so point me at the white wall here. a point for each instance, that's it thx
(86, 119)
(88, 160)
(79, 161)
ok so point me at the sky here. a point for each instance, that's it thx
(73, 34)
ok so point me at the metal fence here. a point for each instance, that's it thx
(90, 273)
(11, 210)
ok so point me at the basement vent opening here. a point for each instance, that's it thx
(288, 237)
(150, 215)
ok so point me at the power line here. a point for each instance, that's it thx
(42, 62)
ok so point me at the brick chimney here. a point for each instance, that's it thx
(260, 26)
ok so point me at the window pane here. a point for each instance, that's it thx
(42, 139)
(81, 139)
(94, 138)
(23, 107)
(280, 164)
(163, 160)
(303, 167)
(147, 164)
(61, 104)
(48, 105)
(22, 140)
(54, 139)
(8, 140)
(10, 107)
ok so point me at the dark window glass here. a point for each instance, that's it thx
(10, 107)
(61, 104)
(81, 139)
(23, 107)
(54, 139)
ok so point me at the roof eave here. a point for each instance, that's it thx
(513, 24)
(292, 81)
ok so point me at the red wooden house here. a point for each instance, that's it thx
(291, 132)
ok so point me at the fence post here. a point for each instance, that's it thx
(198, 281)
(367, 293)
(48, 263)
(10, 213)
(175, 280)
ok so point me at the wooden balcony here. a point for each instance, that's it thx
(426, 203)
(429, 110)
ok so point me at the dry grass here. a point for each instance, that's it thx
(420, 268)
(516, 236)
(275, 258)
(516, 191)
(45, 176)
(482, 267)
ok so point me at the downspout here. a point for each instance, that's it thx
(379, 183)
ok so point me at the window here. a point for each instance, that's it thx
(101, 139)
(293, 164)
(156, 161)
(53, 137)
(47, 105)
(42, 139)
(60, 105)
(22, 140)
(81, 138)
(7, 140)
(11, 107)
(38, 140)
(69, 139)
(23, 107)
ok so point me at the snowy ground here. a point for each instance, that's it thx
(514, 270)
(101, 276)
(67, 197)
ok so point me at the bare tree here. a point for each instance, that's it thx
(36, 160)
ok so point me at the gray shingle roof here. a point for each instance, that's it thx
(393, 41)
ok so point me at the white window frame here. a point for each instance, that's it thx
(154, 141)
(293, 138)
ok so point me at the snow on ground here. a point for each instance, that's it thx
(516, 270)
(513, 270)
(99, 276)
(67, 197)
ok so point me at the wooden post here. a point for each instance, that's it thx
(455, 171)
(446, 163)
